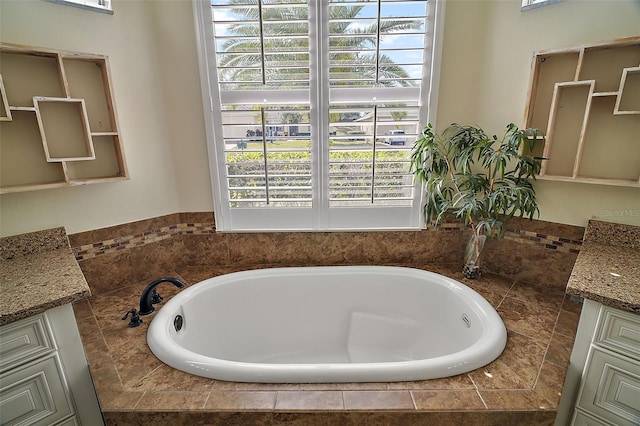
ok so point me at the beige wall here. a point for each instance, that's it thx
(151, 45)
(487, 53)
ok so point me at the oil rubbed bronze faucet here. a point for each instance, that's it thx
(150, 296)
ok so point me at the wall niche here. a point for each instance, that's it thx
(587, 99)
(58, 124)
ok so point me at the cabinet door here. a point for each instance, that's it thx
(35, 394)
(71, 421)
(582, 419)
(23, 341)
(611, 388)
(620, 332)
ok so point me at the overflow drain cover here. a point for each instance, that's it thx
(177, 322)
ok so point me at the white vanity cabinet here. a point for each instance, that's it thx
(44, 377)
(609, 386)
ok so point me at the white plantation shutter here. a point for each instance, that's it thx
(262, 64)
(315, 106)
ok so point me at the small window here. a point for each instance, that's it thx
(532, 4)
(95, 5)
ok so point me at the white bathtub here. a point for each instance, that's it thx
(327, 324)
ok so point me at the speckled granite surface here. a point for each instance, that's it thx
(607, 269)
(38, 271)
(613, 234)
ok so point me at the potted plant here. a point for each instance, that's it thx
(480, 179)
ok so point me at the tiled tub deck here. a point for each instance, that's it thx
(522, 387)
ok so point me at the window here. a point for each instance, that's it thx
(315, 106)
(95, 5)
(532, 4)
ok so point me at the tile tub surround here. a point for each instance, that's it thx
(533, 251)
(522, 387)
(607, 270)
(38, 271)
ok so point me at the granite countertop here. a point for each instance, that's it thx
(38, 271)
(607, 269)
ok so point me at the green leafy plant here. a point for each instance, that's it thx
(477, 178)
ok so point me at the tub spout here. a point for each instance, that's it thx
(147, 297)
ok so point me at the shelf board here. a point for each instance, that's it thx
(17, 108)
(87, 181)
(600, 94)
(62, 184)
(104, 133)
(31, 187)
(592, 180)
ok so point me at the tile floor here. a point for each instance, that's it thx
(521, 387)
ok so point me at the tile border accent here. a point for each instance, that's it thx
(114, 245)
(551, 242)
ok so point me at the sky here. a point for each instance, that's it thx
(390, 45)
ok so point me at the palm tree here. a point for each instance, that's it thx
(267, 46)
(286, 47)
(398, 116)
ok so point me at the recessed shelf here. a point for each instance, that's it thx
(104, 134)
(605, 64)
(64, 129)
(569, 106)
(14, 108)
(628, 101)
(22, 162)
(598, 181)
(86, 81)
(600, 152)
(588, 101)
(27, 74)
(548, 70)
(57, 120)
(103, 166)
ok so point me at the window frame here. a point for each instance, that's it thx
(92, 5)
(534, 4)
(319, 217)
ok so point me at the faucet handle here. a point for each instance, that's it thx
(155, 297)
(135, 318)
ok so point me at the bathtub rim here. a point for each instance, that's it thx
(491, 342)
